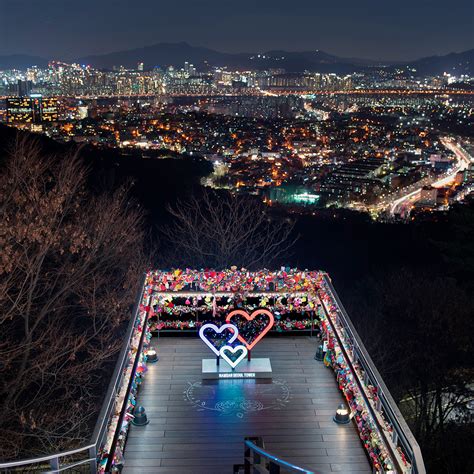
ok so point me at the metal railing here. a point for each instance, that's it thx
(401, 435)
(110, 458)
(52, 463)
(258, 460)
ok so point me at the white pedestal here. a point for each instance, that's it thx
(255, 369)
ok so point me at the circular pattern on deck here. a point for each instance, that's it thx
(238, 397)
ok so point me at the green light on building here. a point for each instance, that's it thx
(293, 195)
(306, 198)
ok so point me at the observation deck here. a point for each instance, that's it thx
(199, 426)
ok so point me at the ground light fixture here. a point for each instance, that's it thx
(139, 417)
(319, 353)
(151, 356)
(342, 415)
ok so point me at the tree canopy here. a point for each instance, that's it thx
(69, 271)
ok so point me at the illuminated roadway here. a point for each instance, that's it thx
(403, 204)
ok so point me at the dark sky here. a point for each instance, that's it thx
(379, 29)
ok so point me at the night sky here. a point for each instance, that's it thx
(378, 29)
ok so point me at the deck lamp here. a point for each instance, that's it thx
(139, 417)
(151, 356)
(319, 353)
(342, 415)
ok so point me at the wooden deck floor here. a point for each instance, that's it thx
(199, 428)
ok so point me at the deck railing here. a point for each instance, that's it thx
(84, 459)
(355, 352)
(258, 460)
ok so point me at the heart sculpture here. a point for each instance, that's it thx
(251, 317)
(230, 327)
(233, 350)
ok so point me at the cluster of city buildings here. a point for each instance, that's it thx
(61, 79)
(323, 146)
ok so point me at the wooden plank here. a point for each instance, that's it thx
(293, 413)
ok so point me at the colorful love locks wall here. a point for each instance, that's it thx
(183, 301)
(233, 310)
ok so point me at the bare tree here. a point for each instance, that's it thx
(418, 330)
(214, 230)
(68, 276)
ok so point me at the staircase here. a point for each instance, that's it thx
(259, 461)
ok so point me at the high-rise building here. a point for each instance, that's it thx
(20, 110)
(24, 88)
(32, 110)
(140, 66)
(49, 109)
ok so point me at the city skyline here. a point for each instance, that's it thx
(385, 34)
(237, 236)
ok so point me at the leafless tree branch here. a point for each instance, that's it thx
(69, 268)
(212, 230)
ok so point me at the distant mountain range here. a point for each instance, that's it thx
(165, 54)
(21, 61)
(453, 63)
(175, 54)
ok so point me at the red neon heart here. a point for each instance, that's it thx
(251, 317)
